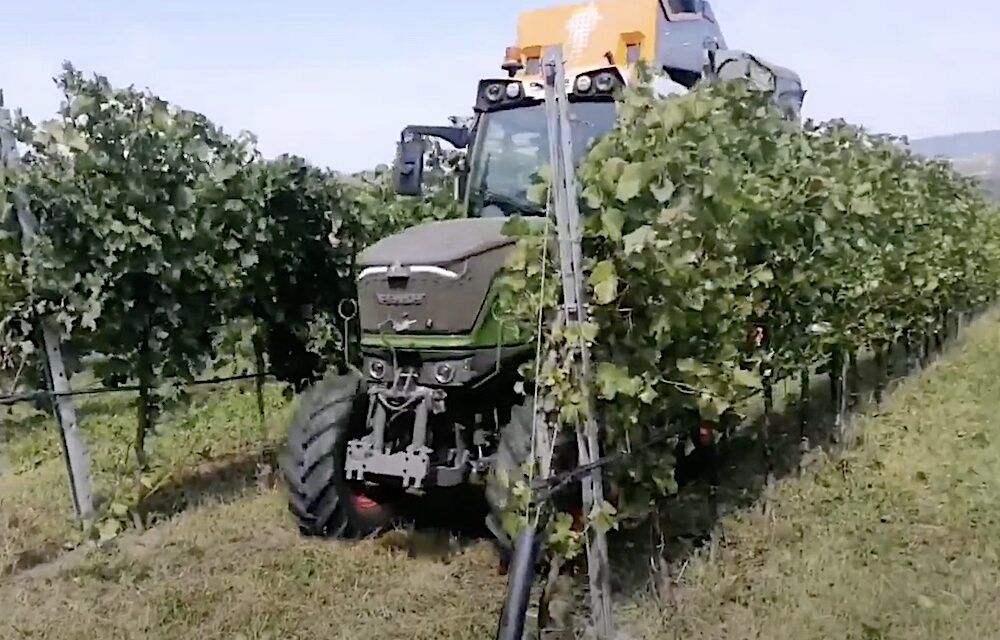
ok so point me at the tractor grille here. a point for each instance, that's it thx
(445, 299)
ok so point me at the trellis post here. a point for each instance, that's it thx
(575, 311)
(74, 447)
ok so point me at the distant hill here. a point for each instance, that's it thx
(975, 154)
(959, 145)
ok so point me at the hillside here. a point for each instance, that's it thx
(959, 145)
(976, 154)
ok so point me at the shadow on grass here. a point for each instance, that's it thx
(217, 479)
(220, 479)
(689, 520)
(31, 558)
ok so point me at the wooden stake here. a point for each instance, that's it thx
(766, 435)
(853, 380)
(803, 413)
(881, 372)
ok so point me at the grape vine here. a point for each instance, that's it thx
(161, 233)
(728, 248)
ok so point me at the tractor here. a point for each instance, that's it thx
(434, 405)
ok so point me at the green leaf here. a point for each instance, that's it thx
(604, 280)
(516, 226)
(631, 182)
(602, 517)
(764, 276)
(538, 194)
(748, 379)
(109, 529)
(688, 365)
(666, 485)
(613, 219)
(640, 239)
(611, 170)
(183, 198)
(563, 539)
(665, 191)
(589, 331)
(613, 380)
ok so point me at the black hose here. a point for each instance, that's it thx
(519, 583)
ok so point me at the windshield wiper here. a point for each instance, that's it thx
(518, 204)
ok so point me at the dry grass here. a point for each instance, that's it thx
(898, 539)
(225, 561)
(36, 517)
(240, 570)
(210, 447)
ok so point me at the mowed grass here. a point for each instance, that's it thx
(204, 449)
(240, 570)
(897, 538)
(224, 560)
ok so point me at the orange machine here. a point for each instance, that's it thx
(672, 35)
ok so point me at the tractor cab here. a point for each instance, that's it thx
(510, 146)
(506, 143)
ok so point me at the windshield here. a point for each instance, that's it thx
(512, 146)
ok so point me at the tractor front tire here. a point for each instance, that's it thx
(513, 452)
(320, 498)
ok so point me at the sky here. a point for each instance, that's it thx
(334, 81)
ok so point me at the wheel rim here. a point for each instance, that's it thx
(363, 502)
(372, 513)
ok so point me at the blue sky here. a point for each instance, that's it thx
(336, 84)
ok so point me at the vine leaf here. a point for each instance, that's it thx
(604, 279)
(631, 181)
(613, 221)
(613, 380)
(747, 379)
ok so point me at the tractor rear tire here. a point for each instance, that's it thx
(320, 498)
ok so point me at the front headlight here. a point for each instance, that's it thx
(444, 373)
(605, 82)
(494, 92)
(376, 369)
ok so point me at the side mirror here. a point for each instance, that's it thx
(461, 177)
(408, 171)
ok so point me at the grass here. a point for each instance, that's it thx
(239, 570)
(208, 448)
(897, 538)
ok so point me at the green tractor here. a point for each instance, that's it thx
(434, 404)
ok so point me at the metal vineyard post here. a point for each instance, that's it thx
(74, 448)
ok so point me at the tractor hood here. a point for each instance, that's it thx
(437, 243)
(434, 278)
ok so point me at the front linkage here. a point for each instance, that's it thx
(413, 465)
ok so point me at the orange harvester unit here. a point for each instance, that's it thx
(608, 32)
